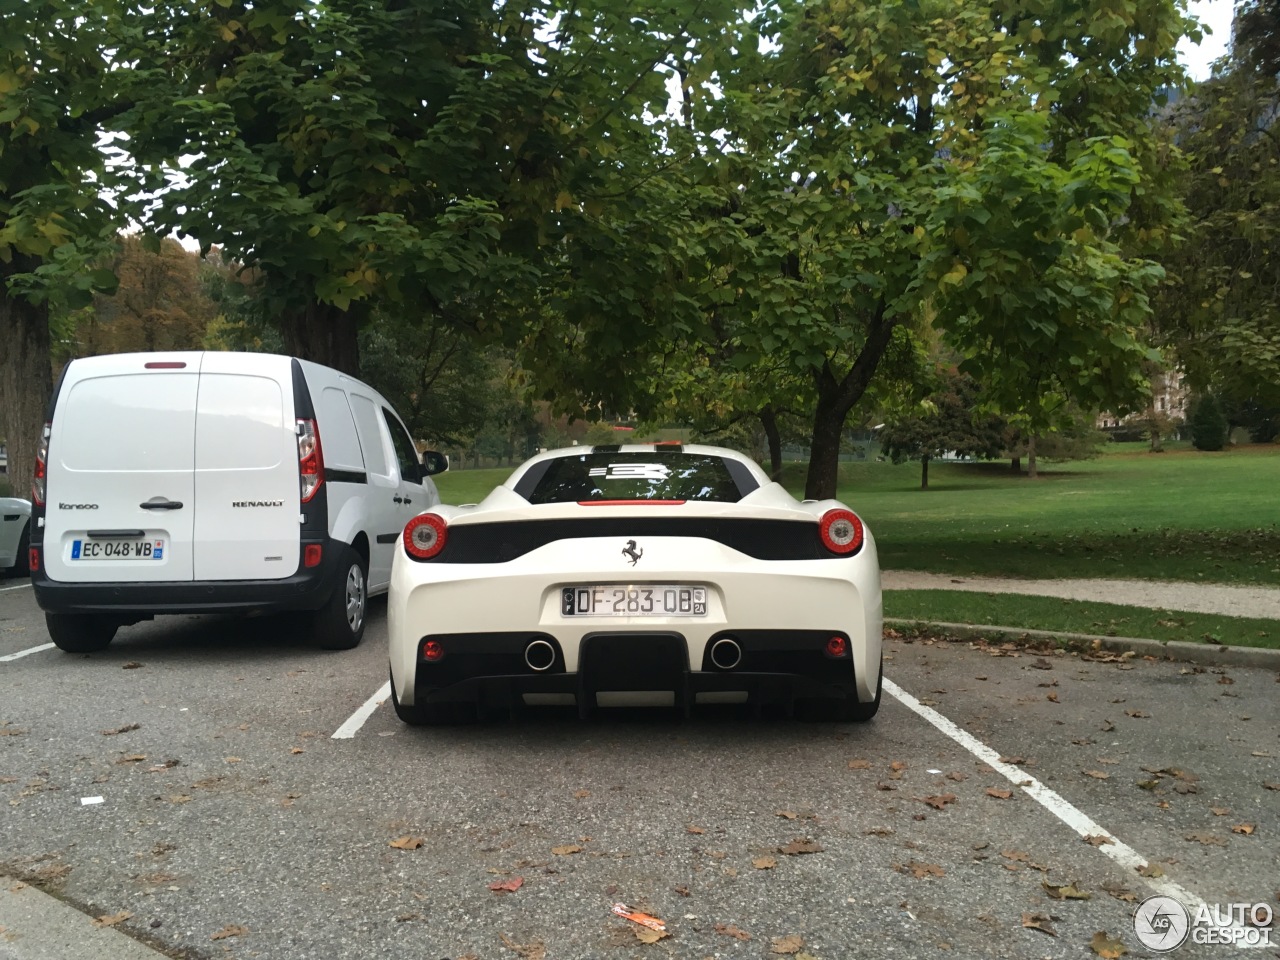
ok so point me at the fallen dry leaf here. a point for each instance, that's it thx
(110, 920)
(683, 891)
(1119, 892)
(859, 764)
(645, 935)
(1068, 892)
(729, 930)
(1137, 714)
(179, 798)
(567, 849)
(581, 794)
(131, 665)
(1098, 840)
(920, 870)
(407, 843)
(1097, 774)
(1208, 839)
(132, 758)
(230, 930)
(1052, 697)
(798, 846)
(118, 730)
(998, 793)
(1271, 786)
(879, 832)
(692, 829)
(297, 750)
(1107, 726)
(785, 815)
(534, 950)
(1039, 921)
(764, 863)
(1017, 855)
(786, 945)
(510, 885)
(939, 801)
(1107, 948)
(231, 759)
(1150, 870)
(1244, 828)
(898, 766)
(406, 917)
(1219, 811)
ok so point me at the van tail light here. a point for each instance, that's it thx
(33, 559)
(312, 554)
(310, 459)
(841, 531)
(425, 536)
(42, 459)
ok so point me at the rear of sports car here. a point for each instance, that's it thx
(636, 575)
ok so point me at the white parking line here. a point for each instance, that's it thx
(18, 587)
(1073, 817)
(354, 722)
(23, 653)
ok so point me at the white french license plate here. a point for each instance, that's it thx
(633, 600)
(130, 549)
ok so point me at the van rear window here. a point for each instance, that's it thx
(128, 422)
(599, 476)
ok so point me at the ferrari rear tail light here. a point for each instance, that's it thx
(310, 459)
(425, 536)
(841, 531)
(837, 647)
(42, 458)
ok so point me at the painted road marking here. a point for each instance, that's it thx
(1064, 810)
(23, 653)
(357, 719)
(18, 587)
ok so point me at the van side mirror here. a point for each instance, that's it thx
(434, 462)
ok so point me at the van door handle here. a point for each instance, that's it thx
(160, 503)
(397, 499)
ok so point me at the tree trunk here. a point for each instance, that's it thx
(1157, 442)
(769, 420)
(324, 334)
(1031, 458)
(924, 473)
(836, 397)
(1015, 464)
(26, 377)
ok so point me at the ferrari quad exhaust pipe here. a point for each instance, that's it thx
(725, 653)
(539, 656)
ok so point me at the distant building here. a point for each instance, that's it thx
(1169, 398)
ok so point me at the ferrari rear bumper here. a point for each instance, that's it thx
(763, 667)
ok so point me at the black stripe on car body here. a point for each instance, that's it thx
(345, 476)
(761, 539)
(388, 537)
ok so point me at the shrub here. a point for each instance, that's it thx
(1208, 424)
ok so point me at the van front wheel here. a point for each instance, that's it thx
(79, 632)
(339, 624)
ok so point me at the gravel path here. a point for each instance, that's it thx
(1235, 601)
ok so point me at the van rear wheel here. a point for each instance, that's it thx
(339, 624)
(79, 632)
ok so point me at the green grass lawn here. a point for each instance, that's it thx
(1077, 616)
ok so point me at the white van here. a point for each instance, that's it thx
(214, 483)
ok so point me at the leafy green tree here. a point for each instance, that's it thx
(56, 89)
(855, 166)
(1219, 312)
(948, 420)
(1208, 424)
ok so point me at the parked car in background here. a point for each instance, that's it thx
(635, 574)
(15, 535)
(205, 482)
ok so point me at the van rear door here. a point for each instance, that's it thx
(246, 469)
(121, 498)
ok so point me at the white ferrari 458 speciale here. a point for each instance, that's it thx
(614, 575)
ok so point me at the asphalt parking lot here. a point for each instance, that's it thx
(995, 790)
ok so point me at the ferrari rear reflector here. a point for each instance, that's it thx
(837, 647)
(425, 536)
(432, 650)
(841, 531)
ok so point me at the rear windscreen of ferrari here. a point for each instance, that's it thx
(636, 476)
